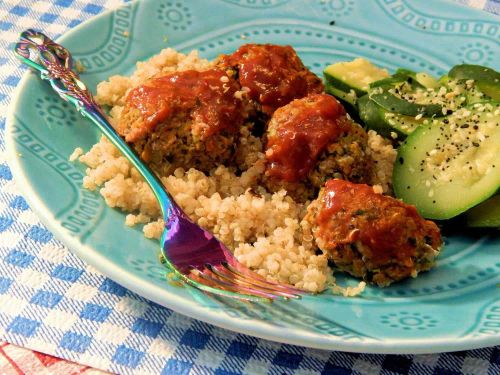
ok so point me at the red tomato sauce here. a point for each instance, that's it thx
(388, 227)
(304, 128)
(208, 95)
(275, 75)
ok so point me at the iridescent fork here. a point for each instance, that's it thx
(190, 252)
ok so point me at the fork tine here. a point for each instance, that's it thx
(226, 273)
(255, 278)
(239, 269)
(206, 284)
(215, 283)
(208, 274)
(235, 266)
(214, 288)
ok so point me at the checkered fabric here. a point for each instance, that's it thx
(51, 301)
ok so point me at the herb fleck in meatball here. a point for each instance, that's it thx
(372, 236)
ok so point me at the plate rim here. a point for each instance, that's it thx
(177, 303)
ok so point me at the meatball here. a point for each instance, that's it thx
(184, 119)
(273, 75)
(372, 236)
(311, 140)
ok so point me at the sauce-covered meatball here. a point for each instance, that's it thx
(372, 236)
(273, 75)
(184, 119)
(311, 140)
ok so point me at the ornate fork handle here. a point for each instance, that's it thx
(54, 62)
(72, 85)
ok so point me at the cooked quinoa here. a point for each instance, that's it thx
(266, 230)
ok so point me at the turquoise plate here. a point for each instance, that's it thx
(454, 307)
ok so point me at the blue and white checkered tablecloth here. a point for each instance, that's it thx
(51, 301)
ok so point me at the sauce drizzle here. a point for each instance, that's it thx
(275, 75)
(300, 131)
(207, 96)
(387, 227)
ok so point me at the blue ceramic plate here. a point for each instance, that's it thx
(454, 307)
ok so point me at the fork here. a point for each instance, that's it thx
(193, 254)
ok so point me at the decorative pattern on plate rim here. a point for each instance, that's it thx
(487, 321)
(257, 3)
(408, 321)
(55, 111)
(175, 15)
(85, 209)
(478, 53)
(116, 43)
(338, 8)
(405, 13)
(307, 37)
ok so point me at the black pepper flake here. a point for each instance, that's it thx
(332, 23)
(401, 160)
(446, 121)
(475, 144)
(449, 112)
(464, 126)
(475, 127)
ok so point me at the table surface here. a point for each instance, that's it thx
(52, 302)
